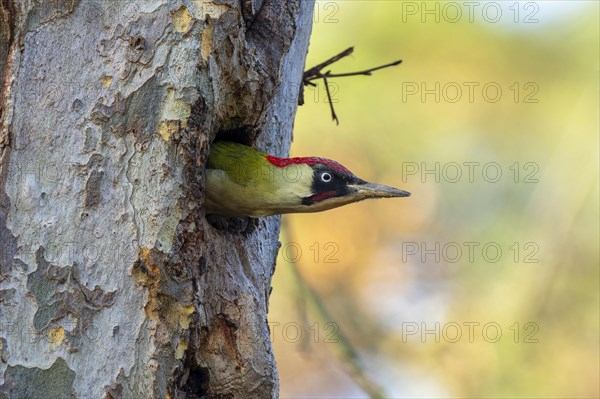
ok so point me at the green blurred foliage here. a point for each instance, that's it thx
(359, 258)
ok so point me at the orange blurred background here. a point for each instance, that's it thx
(485, 282)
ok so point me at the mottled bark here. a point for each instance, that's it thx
(112, 283)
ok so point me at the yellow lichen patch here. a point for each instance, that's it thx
(106, 80)
(182, 20)
(150, 265)
(173, 110)
(56, 337)
(181, 348)
(208, 7)
(146, 272)
(184, 316)
(206, 42)
(167, 128)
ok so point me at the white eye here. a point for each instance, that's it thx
(325, 177)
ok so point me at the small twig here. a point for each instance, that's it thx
(316, 70)
(315, 73)
(333, 115)
(366, 72)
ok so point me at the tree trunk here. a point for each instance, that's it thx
(112, 283)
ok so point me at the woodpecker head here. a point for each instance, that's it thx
(328, 184)
(243, 181)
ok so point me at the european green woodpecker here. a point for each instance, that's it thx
(243, 181)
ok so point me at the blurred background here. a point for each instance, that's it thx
(485, 282)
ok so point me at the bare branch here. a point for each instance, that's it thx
(366, 72)
(315, 73)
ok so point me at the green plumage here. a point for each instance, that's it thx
(242, 182)
(238, 161)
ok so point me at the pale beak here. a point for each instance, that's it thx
(373, 190)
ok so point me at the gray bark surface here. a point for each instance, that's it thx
(112, 283)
